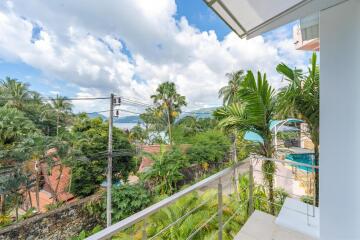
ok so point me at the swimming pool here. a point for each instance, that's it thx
(307, 158)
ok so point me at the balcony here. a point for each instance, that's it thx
(235, 205)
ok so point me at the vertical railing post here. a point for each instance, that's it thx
(314, 190)
(308, 181)
(251, 188)
(144, 233)
(220, 209)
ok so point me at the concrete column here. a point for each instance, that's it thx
(340, 122)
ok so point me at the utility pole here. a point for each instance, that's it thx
(109, 168)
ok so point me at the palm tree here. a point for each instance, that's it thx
(201, 209)
(165, 172)
(62, 107)
(253, 111)
(170, 102)
(301, 99)
(228, 93)
(18, 92)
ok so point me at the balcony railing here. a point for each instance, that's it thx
(220, 185)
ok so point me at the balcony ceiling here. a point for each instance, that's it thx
(249, 18)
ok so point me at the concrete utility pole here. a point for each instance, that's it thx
(109, 168)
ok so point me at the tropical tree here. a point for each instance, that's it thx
(253, 111)
(90, 136)
(62, 107)
(300, 99)
(128, 199)
(229, 92)
(155, 123)
(229, 95)
(14, 126)
(165, 173)
(169, 103)
(138, 135)
(209, 147)
(16, 92)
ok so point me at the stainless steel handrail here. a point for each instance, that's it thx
(142, 215)
(125, 223)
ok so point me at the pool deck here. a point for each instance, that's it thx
(284, 178)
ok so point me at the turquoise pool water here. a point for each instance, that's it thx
(307, 158)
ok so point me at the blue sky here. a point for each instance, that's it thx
(196, 12)
(130, 47)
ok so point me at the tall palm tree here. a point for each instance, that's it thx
(228, 92)
(170, 102)
(18, 92)
(253, 111)
(62, 107)
(229, 95)
(301, 99)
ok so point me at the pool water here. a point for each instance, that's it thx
(307, 158)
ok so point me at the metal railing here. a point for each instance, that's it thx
(142, 215)
(308, 179)
(224, 182)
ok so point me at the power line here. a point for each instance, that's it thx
(137, 102)
(121, 110)
(128, 111)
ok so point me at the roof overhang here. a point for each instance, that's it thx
(250, 18)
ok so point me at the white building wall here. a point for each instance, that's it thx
(340, 122)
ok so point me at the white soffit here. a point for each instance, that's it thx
(249, 18)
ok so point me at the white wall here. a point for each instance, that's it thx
(340, 122)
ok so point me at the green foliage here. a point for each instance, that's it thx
(307, 199)
(84, 234)
(301, 98)
(95, 208)
(85, 178)
(128, 199)
(200, 208)
(260, 196)
(165, 173)
(229, 92)
(91, 138)
(17, 91)
(288, 135)
(5, 220)
(168, 100)
(53, 206)
(61, 106)
(168, 104)
(253, 110)
(30, 103)
(14, 126)
(29, 213)
(186, 128)
(209, 147)
(138, 134)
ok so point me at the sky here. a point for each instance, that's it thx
(90, 48)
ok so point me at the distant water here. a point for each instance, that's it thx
(125, 125)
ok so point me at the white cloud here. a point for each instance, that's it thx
(79, 42)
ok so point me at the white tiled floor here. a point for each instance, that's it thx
(261, 226)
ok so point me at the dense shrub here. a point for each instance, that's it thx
(128, 199)
(91, 138)
(209, 147)
(165, 173)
